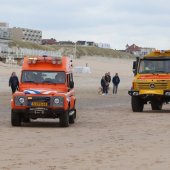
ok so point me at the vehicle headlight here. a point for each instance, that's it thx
(135, 93)
(21, 100)
(56, 100)
(167, 93)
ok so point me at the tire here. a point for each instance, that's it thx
(64, 119)
(156, 105)
(75, 114)
(72, 117)
(137, 104)
(26, 120)
(15, 119)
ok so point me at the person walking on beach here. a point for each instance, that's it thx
(103, 84)
(108, 80)
(115, 81)
(13, 82)
(108, 77)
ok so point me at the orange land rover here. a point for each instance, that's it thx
(46, 90)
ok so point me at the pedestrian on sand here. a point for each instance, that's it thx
(103, 84)
(13, 82)
(115, 81)
(107, 79)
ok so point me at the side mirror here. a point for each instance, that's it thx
(71, 84)
(134, 67)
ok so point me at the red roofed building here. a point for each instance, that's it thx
(133, 49)
(138, 51)
(49, 41)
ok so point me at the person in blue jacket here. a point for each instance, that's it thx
(115, 81)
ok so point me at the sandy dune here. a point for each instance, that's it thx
(107, 135)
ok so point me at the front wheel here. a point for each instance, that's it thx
(137, 104)
(15, 119)
(64, 119)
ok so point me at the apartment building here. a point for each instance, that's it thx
(25, 34)
(5, 36)
(4, 31)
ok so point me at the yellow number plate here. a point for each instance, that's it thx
(39, 104)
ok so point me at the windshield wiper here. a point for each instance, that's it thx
(154, 72)
(46, 81)
(29, 81)
(147, 71)
(160, 71)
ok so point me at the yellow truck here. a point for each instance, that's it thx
(151, 83)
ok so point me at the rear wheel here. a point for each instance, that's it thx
(64, 119)
(137, 104)
(15, 119)
(155, 105)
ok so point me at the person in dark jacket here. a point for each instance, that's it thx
(13, 82)
(108, 77)
(115, 81)
(103, 84)
(108, 80)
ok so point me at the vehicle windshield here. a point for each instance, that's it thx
(154, 66)
(43, 77)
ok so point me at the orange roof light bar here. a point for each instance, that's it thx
(53, 60)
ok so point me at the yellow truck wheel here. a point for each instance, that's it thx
(156, 105)
(137, 104)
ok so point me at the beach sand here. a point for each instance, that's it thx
(107, 135)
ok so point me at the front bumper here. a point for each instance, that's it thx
(41, 112)
(165, 93)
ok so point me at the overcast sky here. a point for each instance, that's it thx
(145, 23)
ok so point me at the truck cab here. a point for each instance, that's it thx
(46, 90)
(151, 83)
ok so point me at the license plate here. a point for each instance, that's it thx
(39, 104)
(39, 111)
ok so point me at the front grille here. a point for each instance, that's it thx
(152, 85)
(39, 99)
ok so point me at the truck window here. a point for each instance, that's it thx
(43, 77)
(70, 82)
(154, 66)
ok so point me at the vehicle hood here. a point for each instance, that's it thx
(153, 77)
(42, 91)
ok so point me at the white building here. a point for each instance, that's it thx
(103, 45)
(145, 51)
